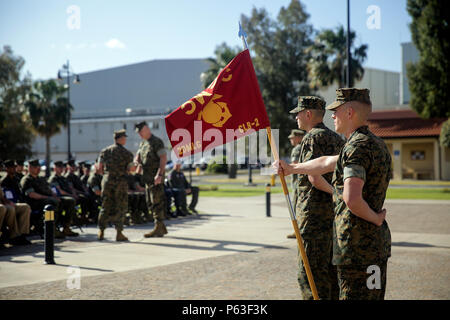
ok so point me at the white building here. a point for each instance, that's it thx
(116, 98)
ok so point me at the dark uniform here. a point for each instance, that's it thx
(94, 184)
(18, 175)
(314, 208)
(85, 176)
(358, 245)
(149, 153)
(62, 183)
(116, 160)
(86, 202)
(41, 186)
(136, 200)
(179, 184)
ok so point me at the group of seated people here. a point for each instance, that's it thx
(176, 188)
(74, 190)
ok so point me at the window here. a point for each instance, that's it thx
(417, 155)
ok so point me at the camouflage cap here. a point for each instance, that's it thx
(139, 126)
(34, 163)
(309, 102)
(19, 162)
(9, 163)
(120, 133)
(344, 95)
(297, 133)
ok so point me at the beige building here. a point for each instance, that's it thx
(413, 143)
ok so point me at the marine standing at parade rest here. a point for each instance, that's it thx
(152, 156)
(362, 171)
(314, 207)
(295, 138)
(115, 161)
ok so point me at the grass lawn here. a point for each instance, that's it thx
(393, 193)
(235, 191)
(413, 193)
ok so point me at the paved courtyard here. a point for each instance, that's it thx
(231, 251)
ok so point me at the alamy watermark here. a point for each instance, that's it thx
(253, 149)
(374, 280)
(74, 278)
(73, 22)
(374, 20)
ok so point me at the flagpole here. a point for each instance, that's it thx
(301, 247)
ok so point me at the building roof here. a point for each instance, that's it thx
(403, 123)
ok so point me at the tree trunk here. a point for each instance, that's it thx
(47, 156)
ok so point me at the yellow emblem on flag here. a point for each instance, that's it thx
(215, 112)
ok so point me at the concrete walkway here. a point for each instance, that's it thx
(239, 253)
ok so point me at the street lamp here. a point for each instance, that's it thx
(67, 72)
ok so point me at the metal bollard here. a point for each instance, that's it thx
(268, 199)
(272, 180)
(49, 233)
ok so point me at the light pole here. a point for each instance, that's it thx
(349, 84)
(66, 72)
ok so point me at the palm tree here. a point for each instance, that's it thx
(328, 59)
(224, 54)
(49, 111)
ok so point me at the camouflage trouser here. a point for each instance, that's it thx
(156, 200)
(358, 282)
(114, 203)
(319, 253)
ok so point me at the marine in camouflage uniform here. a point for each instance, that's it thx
(314, 208)
(149, 155)
(295, 137)
(357, 243)
(295, 156)
(115, 161)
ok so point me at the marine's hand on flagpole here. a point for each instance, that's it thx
(282, 167)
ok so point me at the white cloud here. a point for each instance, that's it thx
(115, 44)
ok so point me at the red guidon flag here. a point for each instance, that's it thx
(230, 108)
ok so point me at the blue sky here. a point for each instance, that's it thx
(114, 33)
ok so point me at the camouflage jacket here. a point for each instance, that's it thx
(35, 184)
(95, 182)
(59, 181)
(149, 153)
(357, 241)
(315, 207)
(295, 155)
(116, 161)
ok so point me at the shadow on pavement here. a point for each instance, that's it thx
(219, 245)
